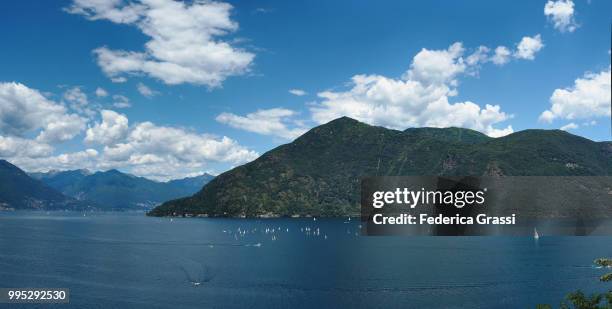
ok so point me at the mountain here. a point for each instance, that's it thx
(61, 179)
(319, 173)
(116, 190)
(20, 191)
(191, 185)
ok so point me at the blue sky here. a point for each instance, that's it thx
(165, 89)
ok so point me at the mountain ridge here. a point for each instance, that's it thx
(318, 173)
(115, 190)
(20, 191)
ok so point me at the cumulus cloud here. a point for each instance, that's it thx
(120, 101)
(501, 56)
(30, 125)
(148, 138)
(11, 146)
(569, 126)
(298, 92)
(146, 91)
(186, 48)
(437, 66)
(118, 79)
(150, 150)
(78, 101)
(561, 14)
(75, 95)
(528, 47)
(274, 122)
(25, 111)
(87, 158)
(420, 98)
(162, 152)
(588, 98)
(481, 55)
(100, 92)
(111, 10)
(111, 129)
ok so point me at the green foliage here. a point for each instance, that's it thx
(319, 173)
(603, 262)
(579, 300)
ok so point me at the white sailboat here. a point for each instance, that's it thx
(535, 233)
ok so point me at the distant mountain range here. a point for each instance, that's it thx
(20, 191)
(319, 173)
(81, 189)
(116, 190)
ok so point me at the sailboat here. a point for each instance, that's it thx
(535, 234)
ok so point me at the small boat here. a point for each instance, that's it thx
(535, 233)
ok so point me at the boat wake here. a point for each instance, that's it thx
(197, 273)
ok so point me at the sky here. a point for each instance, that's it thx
(166, 89)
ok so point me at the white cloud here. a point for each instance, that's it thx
(146, 91)
(421, 98)
(528, 47)
(25, 111)
(145, 149)
(561, 14)
(569, 126)
(525, 49)
(501, 56)
(118, 80)
(273, 122)
(588, 98)
(162, 152)
(87, 158)
(113, 128)
(100, 92)
(184, 45)
(186, 146)
(159, 152)
(109, 9)
(20, 147)
(262, 10)
(120, 101)
(61, 128)
(437, 66)
(298, 92)
(78, 101)
(481, 55)
(76, 96)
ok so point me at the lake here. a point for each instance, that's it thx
(128, 260)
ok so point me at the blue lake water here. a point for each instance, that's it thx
(127, 260)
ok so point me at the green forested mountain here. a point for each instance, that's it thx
(20, 191)
(319, 173)
(116, 190)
